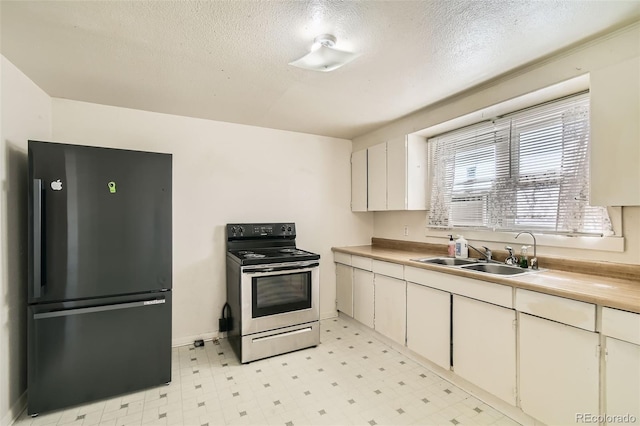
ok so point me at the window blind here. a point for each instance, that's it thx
(528, 170)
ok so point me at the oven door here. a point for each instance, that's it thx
(279, 295)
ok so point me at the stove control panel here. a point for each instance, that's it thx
(260, 230)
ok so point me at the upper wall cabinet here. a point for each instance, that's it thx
(615, 135)
(396, 174)
(377, 177)
(359, 181)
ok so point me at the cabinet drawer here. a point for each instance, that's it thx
(361, 262)
(394, 270)
(622, 325)
(343, 258)
(497, 294)
(566, 311)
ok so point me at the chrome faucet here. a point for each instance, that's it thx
(511, 259)
(487, 253)
(534, 260)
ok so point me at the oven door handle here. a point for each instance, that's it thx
(292, 267)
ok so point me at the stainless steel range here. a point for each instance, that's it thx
(272, 289)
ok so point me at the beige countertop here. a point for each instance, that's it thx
(612, 292)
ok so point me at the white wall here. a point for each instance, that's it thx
(25, 114)
(617, 47)
(226, 173)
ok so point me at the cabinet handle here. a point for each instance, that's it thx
(36, 238)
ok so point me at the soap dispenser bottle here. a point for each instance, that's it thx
(524, 258)
(451, 248)
(462, 249)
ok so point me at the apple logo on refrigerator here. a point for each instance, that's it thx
(56, 185)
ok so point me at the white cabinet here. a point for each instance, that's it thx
(615, 132)
(622, 325)
(622, 383)
(359, 181)
(389, 269)
(397, 174)
(429, 323)
(484, 346)
(360, 262)
(363, 296)
(407, 173)
(497, 294)
(391, 307)
(344, 289)
(559, 374)
(621, 362)
(343, 258)
(560, 309)
(377, 177)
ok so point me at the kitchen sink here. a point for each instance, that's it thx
(495, 268)
(477, 265)
(448, 261)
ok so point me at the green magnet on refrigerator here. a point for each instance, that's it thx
(112, 187)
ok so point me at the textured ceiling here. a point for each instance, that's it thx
(228, 60)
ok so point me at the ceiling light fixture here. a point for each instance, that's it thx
(323, 57)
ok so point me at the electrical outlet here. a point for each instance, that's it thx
(406, 230)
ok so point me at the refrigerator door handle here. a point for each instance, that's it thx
(37, 238)
(94, 309)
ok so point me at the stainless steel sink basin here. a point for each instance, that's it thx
(495, 268)
(448, 261)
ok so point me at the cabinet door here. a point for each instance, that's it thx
(363, 292)
(377, 177)
(417, 168)
(359, 181)
(344, 289)
(397, 174)
(429, 323)
(622, 372)
(615, 151)
(391, 307)
(558, 370)
(484, 346)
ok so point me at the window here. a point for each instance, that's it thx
(528, 170)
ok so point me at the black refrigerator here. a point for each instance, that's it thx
(99, 297)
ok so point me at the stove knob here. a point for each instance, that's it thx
(233, 230)
(289, 229)
(284, 228)
(241, 230)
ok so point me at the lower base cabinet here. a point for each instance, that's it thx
(391, 307)
(363, 296)
(622, 385)
(560, 377)
(559, 374)
(344, 289)
(429, 323)
(484, 346)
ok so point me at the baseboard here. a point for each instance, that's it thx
(329, 314)
(15, 411)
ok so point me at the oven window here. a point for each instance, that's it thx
(276, 294)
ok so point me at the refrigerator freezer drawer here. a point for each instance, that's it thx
(90, 350)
